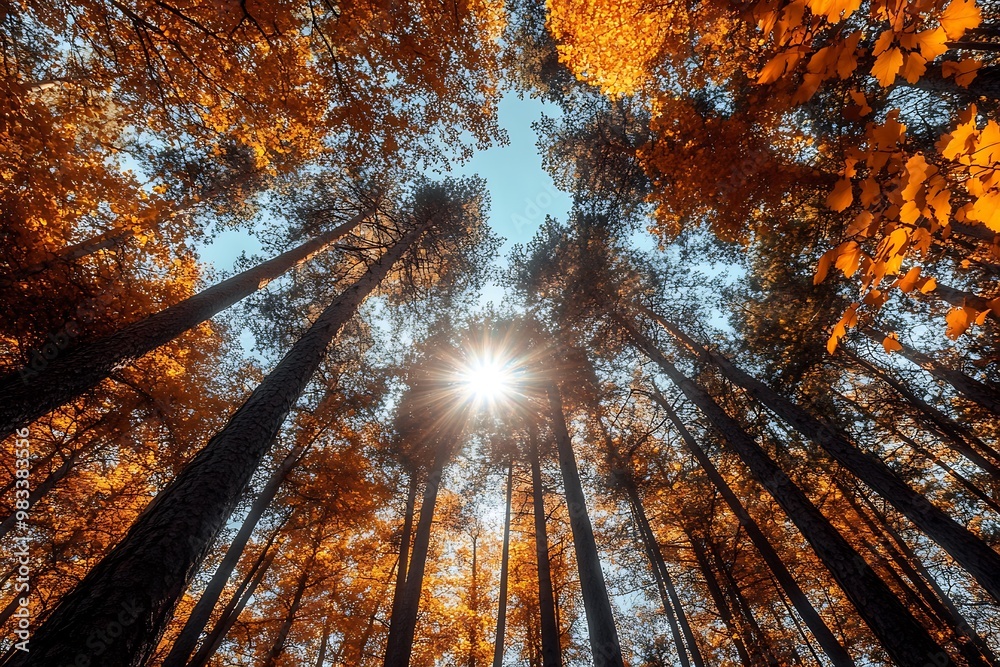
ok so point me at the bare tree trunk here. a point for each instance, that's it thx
(324, 643)
(138, 583)
(718, 597)
(904, 638)
(402, 626)
(404, 545)
(972, 389)
(923, 451)
(551, 652)
(186, 641)
(498, 642)
(966, 548)
(961, 438)
(603, 634)
(753, 634)
(32, 392)
(474, 604)
(827, 640)
(656, 565)
(278, 646)
(235, 606)
(113, 238)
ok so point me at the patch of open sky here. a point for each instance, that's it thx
(521, 192)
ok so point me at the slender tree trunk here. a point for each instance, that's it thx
(234, 608)
(756, 640)
(324, 643)
(186, 641)
(278, 646)
(718, 597)
(982, 562)
(498, 642)
(551, 651)
(904, 638)
(923, 451)
(404, 545)
(972, 389)
(32, 392)
(960, 298)
(474, 604)
(656, 565)
(603, 634)
(827, 640)
(113, 238)
(402, 626)
(961, 438)
(923, 580)
(138, 583)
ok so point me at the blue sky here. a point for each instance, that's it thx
(521, 192)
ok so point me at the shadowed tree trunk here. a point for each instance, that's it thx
(833, 648)
(138, 583)
(972, 389)
(32, 392)
(498, 642)
(671, 605)
(551, 653)
(961, 438)
(718, 597)
(399, 645)
(404, 545)
(600, 620)
(278, 646)
(966, 548)
(186, 641)
(236, 604)
(904, 638)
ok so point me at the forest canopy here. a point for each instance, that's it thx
(738, 405)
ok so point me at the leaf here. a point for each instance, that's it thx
(931, 43)
(887, 65)
(849, 320)
(959, 16)
(823, 267)
(841, 197)
(963, 70)
(908, 283)
(848, 257)
(890, 344)
(777, 66)
(914, 67)
(958, 319)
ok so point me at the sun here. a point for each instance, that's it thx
(486, 379)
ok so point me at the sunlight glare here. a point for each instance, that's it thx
(486, 379)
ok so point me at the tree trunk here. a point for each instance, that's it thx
(754, 636)
(474, 604)
(827, 640)
(33, 391)
(961, 438)
(113, 238)
(652, 550)
(963, 481)
(718, 597)
(960, 298)
(403, 623)
(498, 642)
(278, 646)
(404, 545)
(235, 606)
(141, 579)
(925, 583)
(972, 389)
(904, 638)
(551, 653)
(324, 643)
(601, 628)
(968, 550)
(186, 641)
